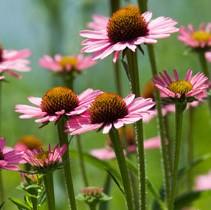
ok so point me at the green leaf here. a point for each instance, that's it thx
(186, 199)
(104, 165)
(20, 205)
(2, 204)
(195, 163)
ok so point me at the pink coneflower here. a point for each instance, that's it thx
(127, 28)
(60, 64)
(45, 159)
(28, 142)
(9, 158)
(57, 102)
(196, 38)
(109, 110)
(108, 153)
(194, 87)
(203, 182)
(208, 56)
(13, 61)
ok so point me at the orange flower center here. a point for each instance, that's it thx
(58, 99)
(202, 36)
(92, 191)
(148, 91)
(68, 60)
(107, 108)
(181, 86)
(31, 142)
(126, 24)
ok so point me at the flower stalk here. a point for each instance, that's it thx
(205, 70)
(63, 139)
(164, 143)
(114, 136)
(179, 107)
(134, 77)
(49, 187)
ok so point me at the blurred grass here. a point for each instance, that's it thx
(28, 27)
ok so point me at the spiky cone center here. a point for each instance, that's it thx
(92, 191)
(181, 86)
(31, 142)
(148, 90)
(107, 108)
(68, 61)
(126, 24)
(125, 134)
(202, 36)
(58, 99)
(42, 156)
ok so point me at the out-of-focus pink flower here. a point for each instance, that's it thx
(208, 56)
(61, 64)
(110, 110)
(45, 159)
(57, 102)
(127, 28)
(28, 142)
(13, 61)
(196, 38)
(9, 158)
(107, 153)
(191, 86)
(203, 182)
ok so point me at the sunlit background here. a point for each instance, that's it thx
(47, 30)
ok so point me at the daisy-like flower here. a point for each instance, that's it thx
(43, 160)
(9, 158)
(196, 38)
(55, 103)
(203, 182)
(13, 61)
(62, 64)
(109, 109)
(108, 153)
(127, 28)
(191, 87)
(208, 56)
(28, 142)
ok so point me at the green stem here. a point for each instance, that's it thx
(117, 73)
(190, 148)
(164, 143)
(81, 160)
(114, 136)
(134, 76)
(49, 187)
(93, 207)
(63, 139)
(114, 6)
(205, 70)
(142, 5)
(178, 128)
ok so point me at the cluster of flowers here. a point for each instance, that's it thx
(128, 28)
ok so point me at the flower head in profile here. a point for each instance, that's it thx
(196, 38)
(126, 28)
(43, 160)
(203, 182)
(28, 142)
(64, 64)
(110, 110)
(191, 87)
(107, 153)
(208, 56)
(13, 61)
(55, 103)
(9, 158)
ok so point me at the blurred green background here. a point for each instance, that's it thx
(30, 24)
